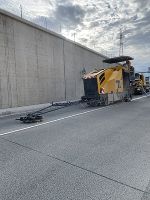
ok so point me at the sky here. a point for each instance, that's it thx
(94, 23)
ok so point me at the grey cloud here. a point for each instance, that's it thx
(49, 23)
(94, 24)
(139, 39)
(142, 3)
(49, 2)
(62, 2)
(69, 14)
(144, 21)
(91, 10)
(65, 14)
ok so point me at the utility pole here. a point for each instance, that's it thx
(121, 43)
(21, 10)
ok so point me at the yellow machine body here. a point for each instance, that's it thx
(110, 79)
(139, 84)
(139, 79)
(104, 86)
(142, 79)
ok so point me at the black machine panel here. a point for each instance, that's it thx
(126, 80)
(90, 87)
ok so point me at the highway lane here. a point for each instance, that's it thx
(102, 154)
(7, 124)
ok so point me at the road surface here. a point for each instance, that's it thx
(78, 153)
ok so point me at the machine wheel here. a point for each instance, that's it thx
(128, 98)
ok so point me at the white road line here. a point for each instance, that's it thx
(63, 118)
(52, 121)
(140, 97)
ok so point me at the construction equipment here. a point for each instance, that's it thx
(37, 116)
(147, 82)
(105, 86)
(139, 84)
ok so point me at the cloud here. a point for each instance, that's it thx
(69, 14)
(94, 24)
(65, 17)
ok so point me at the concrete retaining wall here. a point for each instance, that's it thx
(38, 66)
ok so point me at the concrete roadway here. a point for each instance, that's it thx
(78, 154)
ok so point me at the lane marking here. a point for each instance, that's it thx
(63, 118)
(55, 120)
(140, 97)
